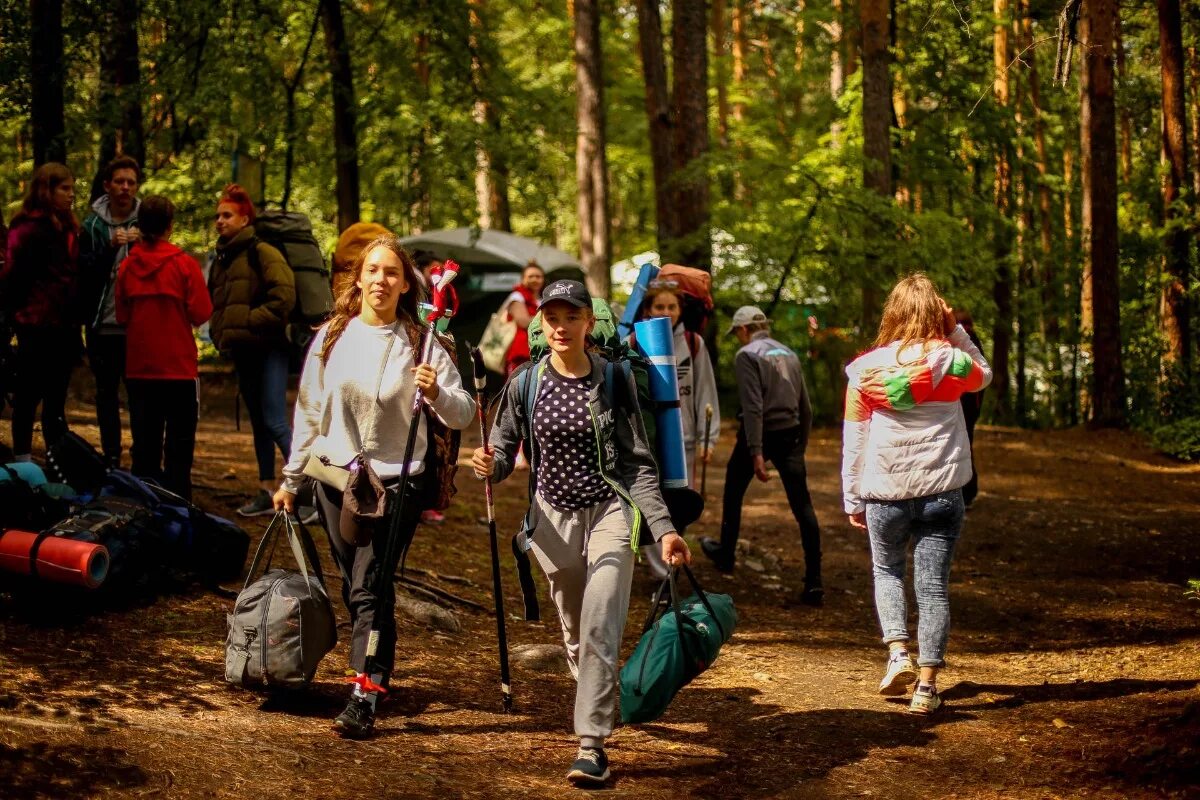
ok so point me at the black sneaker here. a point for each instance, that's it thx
(260, 505)
(590, 767)
(814, 592)
(712, 548)
(357, 721)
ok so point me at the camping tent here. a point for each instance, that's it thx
(491, 264)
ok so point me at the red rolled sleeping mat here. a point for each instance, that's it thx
(53, 558)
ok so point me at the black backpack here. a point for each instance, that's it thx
(291, 233)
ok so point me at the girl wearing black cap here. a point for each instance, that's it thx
(593, 492)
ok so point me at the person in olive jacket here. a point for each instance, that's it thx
(253, 291)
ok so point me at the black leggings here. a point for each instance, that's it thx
(162, 417)
(359, 567)
(785, 450)
(45, 359)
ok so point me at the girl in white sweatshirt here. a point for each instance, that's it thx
(356, 395)
(905, 459)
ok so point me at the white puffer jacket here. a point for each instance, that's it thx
(904, 434)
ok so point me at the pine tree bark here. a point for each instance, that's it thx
(491, 168)
(591, 162)
(740, 45)
(837, 67)
(691, 241)
(345, 114)
(1101, 309)
(721, 72)
(1001, 249)
(877, 141)
(1125, 119)
(658, 113)
(119, 104)
(1175, 312)
(1046, 269)
(46, 82)
(420, 207)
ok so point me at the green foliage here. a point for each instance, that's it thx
(793, 227)
(1179, 439)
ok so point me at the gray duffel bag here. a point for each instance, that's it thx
(282, 623)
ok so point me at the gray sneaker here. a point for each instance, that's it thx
(261, 505)
(590, 767)
(925, 700)
(900, 673)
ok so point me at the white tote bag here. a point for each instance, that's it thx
(497, 338)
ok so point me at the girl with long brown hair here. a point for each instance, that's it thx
(905, 459)
(39, 284)
(356, 396)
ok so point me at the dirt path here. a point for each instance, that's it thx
(1074, 665)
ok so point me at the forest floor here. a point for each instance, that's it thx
(1074, 663)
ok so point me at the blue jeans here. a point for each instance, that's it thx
(933, 523)
(262, 380)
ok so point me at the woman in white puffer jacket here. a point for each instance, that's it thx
(905, 459)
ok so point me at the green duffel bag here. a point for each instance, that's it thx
(678, 642)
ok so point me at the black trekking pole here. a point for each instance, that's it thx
(497, 588)
(393, 549)
(708, 414)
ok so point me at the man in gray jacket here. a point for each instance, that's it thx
(776, 418)
(104, 241)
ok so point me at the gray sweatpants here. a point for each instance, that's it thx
(589, 564)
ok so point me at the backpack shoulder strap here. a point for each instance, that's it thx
(693, 342)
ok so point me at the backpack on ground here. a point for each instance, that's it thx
(678, 642)
(291, 233)
(283, 622)
(694, 288)
(74, 461)
(126, 529)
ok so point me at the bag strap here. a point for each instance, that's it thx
(301, 544)
(668, 585)
(700, 593)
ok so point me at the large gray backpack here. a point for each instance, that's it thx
(282, 623)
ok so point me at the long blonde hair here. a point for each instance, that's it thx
(913, 314)
(349, 303)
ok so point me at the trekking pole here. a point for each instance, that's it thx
(392, 551)
(497, 588)
(707, 445)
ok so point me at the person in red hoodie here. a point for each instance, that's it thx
(160, 296)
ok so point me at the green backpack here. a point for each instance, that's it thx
(604, 336)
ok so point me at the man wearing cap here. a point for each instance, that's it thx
(776, 418)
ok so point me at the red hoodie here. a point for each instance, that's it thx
(160, 296)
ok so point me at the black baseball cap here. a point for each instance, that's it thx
(572, 292)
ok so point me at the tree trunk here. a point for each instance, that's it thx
(837, 68)
(1176, 319)
(658, 113)
(1002, 194)
(1124, 117)
(46, 82)
(591, 162)
(691, 240)
(491, 169)
(420, 207)
(740, 46)
(345, 114)
(721, 72)
(1071, 310)
(290, 88)
(119, 103)
(1023, 217)
(1194, 72)
(877, 141)
(1047, 268)
(1099, 148)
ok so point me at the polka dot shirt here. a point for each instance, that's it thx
(568, 465)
